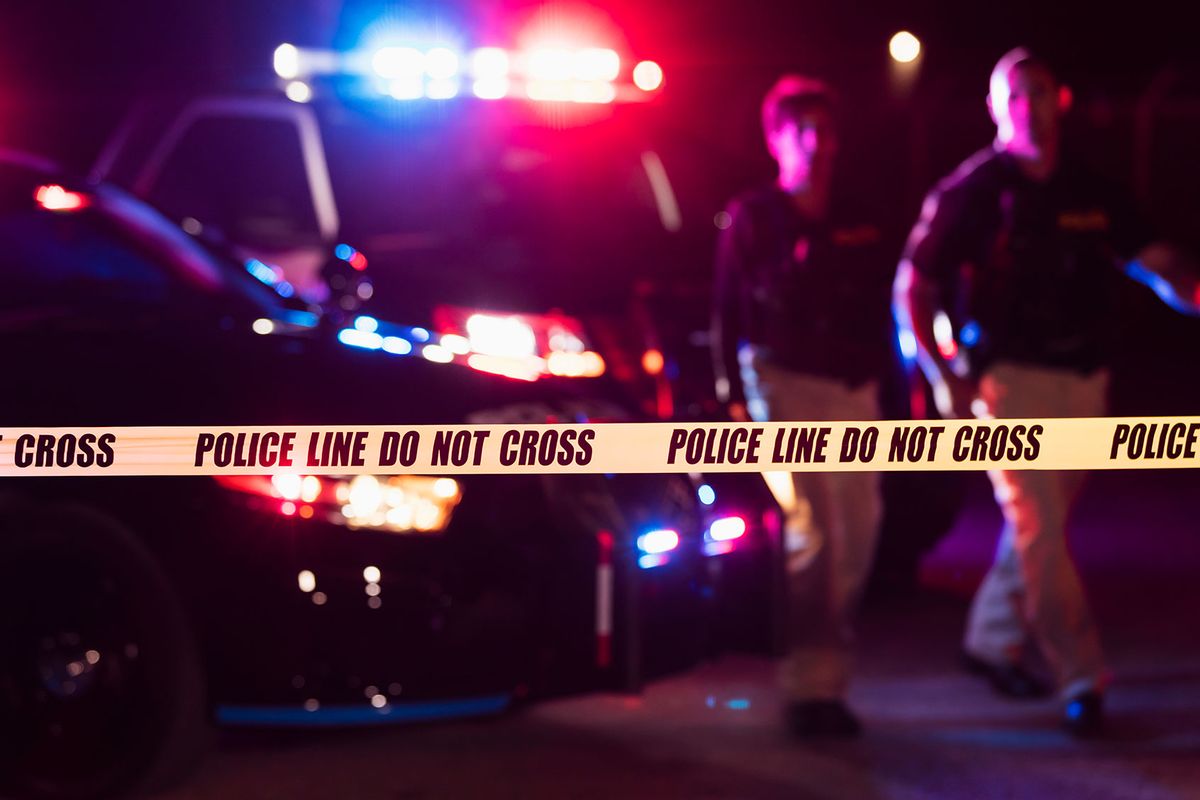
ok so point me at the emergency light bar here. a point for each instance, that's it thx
(434, 71)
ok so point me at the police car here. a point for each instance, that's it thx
(140, 610)
(467, 181)
(516, 184)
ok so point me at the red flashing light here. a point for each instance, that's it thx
(549, 64)
(648, 76)
(490, 64)
(53, 197)
(490, 88)
(723, 534)
(726, 529)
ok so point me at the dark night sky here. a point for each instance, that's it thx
(69, 70)
(54, 42)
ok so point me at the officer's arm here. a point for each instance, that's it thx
(916, 304)
(935, 248)
(1170, 273)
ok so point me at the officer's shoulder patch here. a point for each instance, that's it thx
(855, 235)
(1086, 220)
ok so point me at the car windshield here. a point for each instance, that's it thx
(490, 213)
(112, 247)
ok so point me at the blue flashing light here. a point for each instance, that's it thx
(357, 338)
(285, 289)
(262, 272)
(397, 346)
(908, 344)
(969, 335)
(343, 251)
(420, 334)
(328, 716)
(303, 319)
(707, 494)
(658, 541)
(366, 324)
(738, 704)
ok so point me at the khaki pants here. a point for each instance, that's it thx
(831, 529)
(1033, 587)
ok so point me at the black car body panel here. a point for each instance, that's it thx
(501, 599)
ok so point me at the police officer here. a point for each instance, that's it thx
(800, 331)
(1019, 249)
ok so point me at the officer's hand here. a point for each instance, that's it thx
(738, 413)
(953, 396)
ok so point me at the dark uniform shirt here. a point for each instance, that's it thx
(1027, 270)
(811, 296)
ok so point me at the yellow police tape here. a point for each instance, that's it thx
(1062, 444)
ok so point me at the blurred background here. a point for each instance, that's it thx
(96, 86)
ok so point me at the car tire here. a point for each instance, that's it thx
(101, 686)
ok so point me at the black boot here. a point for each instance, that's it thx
(1083, 716)
(1010, 680)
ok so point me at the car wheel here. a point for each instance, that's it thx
(101, 689)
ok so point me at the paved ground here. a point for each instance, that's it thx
(932, 731)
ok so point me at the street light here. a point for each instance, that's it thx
(904, 47)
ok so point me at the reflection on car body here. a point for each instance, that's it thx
(146, 607)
